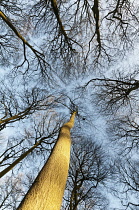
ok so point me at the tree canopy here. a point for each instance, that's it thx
(57, 56)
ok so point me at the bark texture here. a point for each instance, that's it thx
(47, 191)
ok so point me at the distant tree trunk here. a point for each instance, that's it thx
(47, 191)
(6, 170)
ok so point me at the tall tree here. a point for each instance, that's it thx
(41, 42)
(48, 188)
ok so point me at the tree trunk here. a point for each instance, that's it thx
(6, 170)
(47, 191)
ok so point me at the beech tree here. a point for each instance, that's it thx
(51, 181)
(47, 49)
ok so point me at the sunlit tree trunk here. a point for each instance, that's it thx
(47, 190)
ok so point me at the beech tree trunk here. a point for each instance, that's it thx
(6, 170)
(47, 191)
